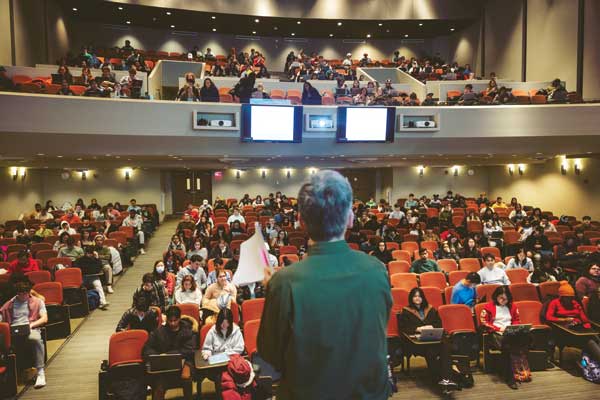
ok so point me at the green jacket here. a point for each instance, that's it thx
(324, 325)
(419, 266)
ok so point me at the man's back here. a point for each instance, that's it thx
(324, 325)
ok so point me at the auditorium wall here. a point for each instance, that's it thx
(503, 38)
(5, 42)
(591, 54)
(28, 25)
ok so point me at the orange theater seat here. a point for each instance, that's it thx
(405, 281)
(250, 335)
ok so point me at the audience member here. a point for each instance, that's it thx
(424, 264)
(188, 292)
(464, 291)
(492, 273)
(153, 291)
(139, 317)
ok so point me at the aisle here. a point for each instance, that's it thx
(73, 373)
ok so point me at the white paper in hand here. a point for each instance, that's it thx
(253, 260)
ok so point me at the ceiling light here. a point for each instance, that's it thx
(275, 28)
(40, 154)
(74, 9)
(298, 22)
(59, 156)
(172, 26)
(406, 35)
(387, 30)
(293, 34)
(380, 24)
(254, 32)
(331, 35)
(368, 35)
(214, 29)
(128, 22)
(257, 20)
(214, 17)
(120, 8)
(168, 13)
(420, 24)
(339, 24)
(451, 29)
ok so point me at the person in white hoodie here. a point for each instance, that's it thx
(188, 292)
(223, 337)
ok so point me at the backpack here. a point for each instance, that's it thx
(590, 368)
(520, 367)
(93, 299)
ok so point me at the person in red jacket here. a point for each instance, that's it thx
(565, 310)
(496, 315)
(237, 382)
(23, 264)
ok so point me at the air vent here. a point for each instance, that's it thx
(116, 27)
(365, 160)
(229, 160)
(246, 37)
(295, 40)
(184, 33)
(354, 41)
(412, 41)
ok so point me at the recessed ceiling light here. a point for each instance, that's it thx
(406, 35)
(451, 29)
(168, 13)
(298, 22)
(420, 24)
(80, 159)
(275, 28)
(254, 32)
(331, 35)
(40, 154)
(128, 22)
(172, 26)
(154, 19)
(293, 34)
(387, 30)
(120, 8)
(368, 35)
(74, 9)
(59, 156)
(214, 17)
(380, 24)
(257, 20)
(339, 24)
(214, 29)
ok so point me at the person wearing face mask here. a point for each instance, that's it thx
(139, 317)
(164, 277)
(189, 91)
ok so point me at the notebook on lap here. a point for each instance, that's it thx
(164, 362)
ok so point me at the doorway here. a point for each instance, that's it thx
(190, 187)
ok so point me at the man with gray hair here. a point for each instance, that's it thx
(325, 318)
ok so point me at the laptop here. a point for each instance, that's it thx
(517, 329)
(165, 362)
(20, 330)
(57, 79)
(431, 334)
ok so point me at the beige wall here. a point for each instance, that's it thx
(544, 186)
(30, 40)
(5, 39)
(591, 46)
(503, 38)
(58, 35)
(552, 41)
(464, 47)
(109, 185)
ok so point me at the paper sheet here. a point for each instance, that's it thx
(253, 260)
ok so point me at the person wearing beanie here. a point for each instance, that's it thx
(565, 310)
(237, 382)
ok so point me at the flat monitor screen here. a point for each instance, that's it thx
(365, 124)
(270, 123)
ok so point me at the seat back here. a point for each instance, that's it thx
(250, 334)
(189, 309)
(517, 275)
(403, 255)
(447, 265)
(399, 299)
(397, 267)
(36, 277)
(203, 332)
(5, 333)
(492, 250)
(548, 289)
(455, 276)
(409, 246)
(484, 292)
(429, 245)
(469, 264)
(434, 279)
(69, 277)
(52, 292)
(126, 347)
(448, 294)
(524, 291)
(54, 261)
(456, 318)
(529, 311)
(405, 281)
(433, 296)
(288, 250)
(252, 309)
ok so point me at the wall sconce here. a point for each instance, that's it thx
(312, 171)
(511, 169)
(577, 166)
(521, 169)
(263, 173)
(127, 172)
(288, 173)
(84, 175)
(14, 172)
(197, 183)
(455, 170)
(421, 170)
(238, 173)
(564, 166)
(22, 172)
(188, 184)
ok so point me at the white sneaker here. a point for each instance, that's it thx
(142, 251)
(40, 381)
(103, 306)
(109, 289)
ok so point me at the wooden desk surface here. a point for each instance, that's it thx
(201, 364)
(417, 342)
(589, 332)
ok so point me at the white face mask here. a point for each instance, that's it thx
(160, 270)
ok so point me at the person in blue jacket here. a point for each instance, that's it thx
(464, 291)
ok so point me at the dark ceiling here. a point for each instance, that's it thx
(194, 21)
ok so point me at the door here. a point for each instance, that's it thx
(190, 187)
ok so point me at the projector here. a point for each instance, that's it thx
(425, 124)
(220, 122)
(326, 123)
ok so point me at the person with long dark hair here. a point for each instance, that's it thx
(382, 253)
(496, 315)
(419, 315)
(209, 91)
(310, 95)
(223, 337)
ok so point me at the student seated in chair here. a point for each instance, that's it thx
(26, 309)
(91, 267)
(499, 313)
(423, 264)
(419, 315)
(175, 337)
(139, 317)
(464, 291)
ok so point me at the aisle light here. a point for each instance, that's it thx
(84, 175)
(421, 170)
(455, 170)
(577, 166)
(127, 172)
(564, 166)
(263, 173)
(511, 169)
(521, 169)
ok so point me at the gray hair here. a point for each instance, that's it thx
(324, 204)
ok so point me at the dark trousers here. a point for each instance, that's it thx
(508, 345)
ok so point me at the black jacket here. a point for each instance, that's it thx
(409, 320)
(164, 340)
(130, 320)
(88, 265)
(210, 94)
(311, 96)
